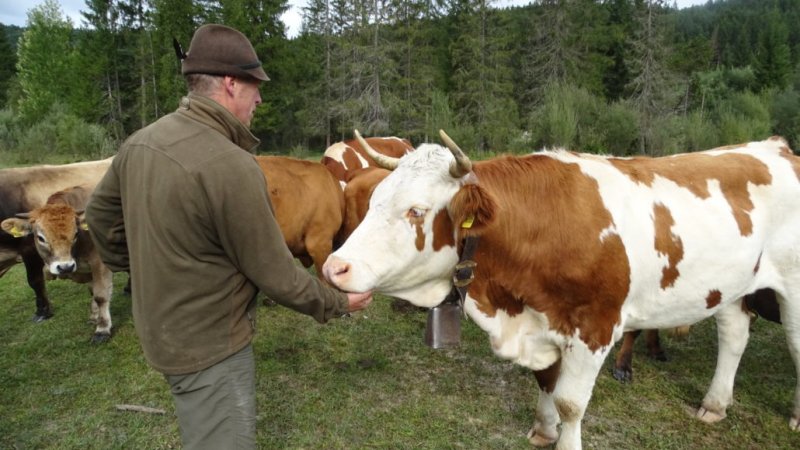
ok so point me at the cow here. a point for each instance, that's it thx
(357, 192)
(623, 363)
(63, 242)
(308, 204)
(23, 189)
(570, 250)
(343, 158)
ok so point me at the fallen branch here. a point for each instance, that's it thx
(138, 408)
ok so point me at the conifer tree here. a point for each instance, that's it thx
(45, 61)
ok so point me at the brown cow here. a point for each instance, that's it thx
(24, 189)
(309, 206)
(67, 250)
(343, 158)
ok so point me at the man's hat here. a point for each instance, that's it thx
(220, 50)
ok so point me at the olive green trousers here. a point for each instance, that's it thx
(216, 407)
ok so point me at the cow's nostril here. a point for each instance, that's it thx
(334, 269)
(66, 268)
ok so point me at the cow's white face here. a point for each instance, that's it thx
(405, 245)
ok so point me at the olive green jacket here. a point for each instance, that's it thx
(184, 208)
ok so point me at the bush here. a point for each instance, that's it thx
(61, 137)
(574, 118)
(8, 140)
(699, 132)
(743, 117)
(785, 112)
(617, 125)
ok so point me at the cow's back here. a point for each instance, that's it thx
(343, 158)
(648, 228)
(23, 189)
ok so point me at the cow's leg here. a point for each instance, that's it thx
(319, 246)
(544, 431)
(623, 368)
(102, 286)
(654, 345)
(790, 317)
(579, 369)
(733, 330)
(34, 270)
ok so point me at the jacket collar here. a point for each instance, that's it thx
(211, 113)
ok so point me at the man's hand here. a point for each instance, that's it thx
(359, 301)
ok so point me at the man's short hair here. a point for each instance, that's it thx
(203, 83)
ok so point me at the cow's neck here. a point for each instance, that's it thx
(463, 274)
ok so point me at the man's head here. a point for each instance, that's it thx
(222, 64)
(220, 50)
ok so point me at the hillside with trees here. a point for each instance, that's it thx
(624, 77)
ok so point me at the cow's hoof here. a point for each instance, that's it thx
(39, 318)
(538, 439)
(100, 338)
(794, 423)
(622, 375)
(708, 416)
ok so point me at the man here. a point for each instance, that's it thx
(185, 208)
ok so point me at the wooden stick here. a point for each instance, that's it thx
(139, 408)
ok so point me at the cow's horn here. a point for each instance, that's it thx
(387, 162)
(462, 164)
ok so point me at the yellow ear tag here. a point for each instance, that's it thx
(16, 232)
(468, 222)
(85, 226)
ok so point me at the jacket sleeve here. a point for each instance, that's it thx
(245, 222)
(106, 225)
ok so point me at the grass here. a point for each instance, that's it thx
(366, 382)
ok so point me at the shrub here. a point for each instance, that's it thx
(699, 132)
(743, 117)
(785, 113)
(61, 136)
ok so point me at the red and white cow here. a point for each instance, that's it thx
(66, 248)
(575, 249)
(344, 158)
(357, 193)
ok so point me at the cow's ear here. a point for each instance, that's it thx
(472, 209)
(16, 227)
(81, 219)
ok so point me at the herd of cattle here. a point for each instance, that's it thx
(574, 251)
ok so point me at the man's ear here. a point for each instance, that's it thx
(229, 82)
(472, 209)
(16, 227)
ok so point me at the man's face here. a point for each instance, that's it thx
(246, 97)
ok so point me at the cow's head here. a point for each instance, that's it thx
(406, 245)
(55, 229)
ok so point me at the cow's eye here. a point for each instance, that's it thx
(40, 237)
(416, 213)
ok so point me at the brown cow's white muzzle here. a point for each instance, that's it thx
(63, 267)
(337, 271)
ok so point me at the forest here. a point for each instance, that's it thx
(623, 77)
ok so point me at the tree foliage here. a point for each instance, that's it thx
(621, 76)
